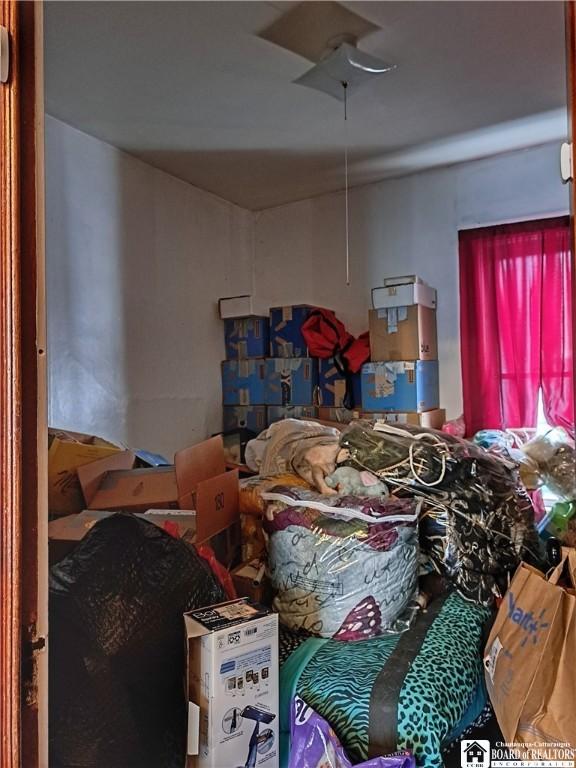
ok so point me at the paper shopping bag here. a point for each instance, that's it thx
(530, 658)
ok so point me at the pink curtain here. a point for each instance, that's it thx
(516, 324)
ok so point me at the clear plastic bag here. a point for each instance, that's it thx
(555, 458)
(343, 566)
(477, 521)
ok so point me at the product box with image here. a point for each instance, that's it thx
(403, 333)
(247, 337)
(291, 380)
(232, 683)
(252, 417)
(401, 386)
(286, 338)
(279, 412)
(244, 382)
(332, 385)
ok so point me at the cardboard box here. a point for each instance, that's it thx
(338, 415)
(403, 296)
(241, 306)
(286, 338)
(251, 581)
(232, 683)
(400, 386)
(206, 486)
(291, 381)
(434, 419)
(65, 532)
(402, 280)
(244, 382)
(91, 475)
(198, 481)
(332, 385)
(137, 490)
(247, 337)
(252, 417)
(279, 412)
(403, 333)
(67, 451)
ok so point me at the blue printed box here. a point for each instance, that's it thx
(244, 382)
(286, 338)
(291, 381)
(332, 386)
(252, 417)
(400, 386)
(279, 412)
(247, 337)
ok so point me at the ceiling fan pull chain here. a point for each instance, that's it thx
(345, 86)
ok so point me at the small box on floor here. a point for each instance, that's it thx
(232, 684)
(400, 386)
(434, 419)
(291, 381)
(286, 338)
(244, 382)
(247, 337)
(332, 385)
(279, 412)
(340, 415)
(403, 333)
(252, 417)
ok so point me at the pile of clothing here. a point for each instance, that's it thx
(389, 504)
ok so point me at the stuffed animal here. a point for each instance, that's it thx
(316, 463)
(350, 482)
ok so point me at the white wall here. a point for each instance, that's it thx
(402, 226)
(135, 262)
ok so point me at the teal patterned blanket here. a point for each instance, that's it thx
(417, 690)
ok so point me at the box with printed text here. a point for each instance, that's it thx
(233, 688)
(403, 386)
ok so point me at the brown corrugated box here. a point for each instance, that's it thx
(67, 452)
(434, 419)
(197, 481)
(403, 333)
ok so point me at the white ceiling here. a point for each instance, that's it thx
(190, 88)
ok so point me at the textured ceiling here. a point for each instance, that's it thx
(191, 88)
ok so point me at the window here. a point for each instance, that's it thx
(516, 325)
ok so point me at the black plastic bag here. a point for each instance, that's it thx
(117, 651)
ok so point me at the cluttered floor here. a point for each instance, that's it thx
(372, 594)
(386, 590)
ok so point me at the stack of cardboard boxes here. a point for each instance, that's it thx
(400, 385)
(268, 374)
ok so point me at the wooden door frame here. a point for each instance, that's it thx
(22, 396)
